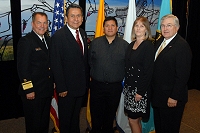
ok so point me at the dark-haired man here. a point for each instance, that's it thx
(70, 69)
(107, 63)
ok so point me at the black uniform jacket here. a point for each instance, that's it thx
(33, 64)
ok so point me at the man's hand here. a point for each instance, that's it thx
(171, 102)
(63, 94)
(30, 96)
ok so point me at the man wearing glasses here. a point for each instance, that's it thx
(171, 73)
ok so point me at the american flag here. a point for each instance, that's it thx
(54, 112)
(58, 22)
(58, 15)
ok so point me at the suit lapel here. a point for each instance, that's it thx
(167, 48)
(47, 39)
(71, 38)
(170, 45)
(84, 40)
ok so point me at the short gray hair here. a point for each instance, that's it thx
(176, 20)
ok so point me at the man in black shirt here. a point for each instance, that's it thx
(107, 63)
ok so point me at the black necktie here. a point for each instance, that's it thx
(78, 40)
(44, 43)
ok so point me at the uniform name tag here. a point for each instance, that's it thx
(27, 85)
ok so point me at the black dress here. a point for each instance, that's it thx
(139, 69)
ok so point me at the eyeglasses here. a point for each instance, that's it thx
(166, 26)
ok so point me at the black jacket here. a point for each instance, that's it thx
(171, 72)
(33, 64)
(69, 65)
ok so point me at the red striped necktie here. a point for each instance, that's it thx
(78, 40)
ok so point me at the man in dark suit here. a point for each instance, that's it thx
(33, 66)
(70, 68)
(171, 73)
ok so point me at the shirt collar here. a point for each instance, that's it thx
(107, 39)
(38, 35)
(73, 31)
(169, 40)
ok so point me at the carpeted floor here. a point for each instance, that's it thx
(191, 117)
(190, 122)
